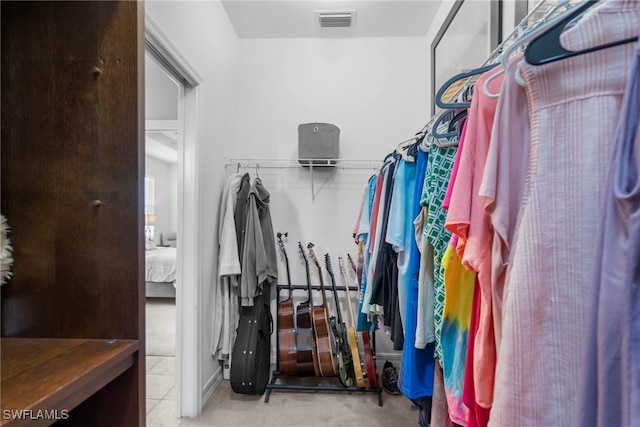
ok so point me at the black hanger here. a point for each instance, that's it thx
(447, 115)
(461, 116)
(546, 48)
(440, 103)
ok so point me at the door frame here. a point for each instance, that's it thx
(189, 253)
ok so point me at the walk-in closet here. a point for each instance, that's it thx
(421, 212)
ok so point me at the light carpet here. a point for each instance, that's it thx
(303, 409)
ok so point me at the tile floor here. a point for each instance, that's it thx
(161, 390)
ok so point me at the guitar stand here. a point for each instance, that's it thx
(311, 383)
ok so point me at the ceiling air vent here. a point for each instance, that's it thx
(336, 19)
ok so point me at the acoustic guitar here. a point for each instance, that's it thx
(286, 329)
(344, 358)
(320, 315)
(369, 355)
(351, 331)
(306, 357)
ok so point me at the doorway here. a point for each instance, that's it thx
(188, 325)
(162, 137)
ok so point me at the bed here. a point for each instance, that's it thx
(160, 269)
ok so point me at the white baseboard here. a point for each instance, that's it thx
(211, 386)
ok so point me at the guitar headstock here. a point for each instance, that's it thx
(353, 264)
(281, 242)
(341, 265)
(312, 254)
(327, 263)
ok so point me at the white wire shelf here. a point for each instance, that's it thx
(312, 165)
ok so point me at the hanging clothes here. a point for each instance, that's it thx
(229, 270)
(467, 218)
(259, 257)
(610, 384)
(415, 378)
(383, 279)
(400, 232)
(240, 213)
(477, 416)
(439, 169)
(574, 106)
(363, 238)
(504, 179)
(459, 293)
(373, 243)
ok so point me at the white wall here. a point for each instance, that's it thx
(374, 89)
(201, 31)
(166, 186)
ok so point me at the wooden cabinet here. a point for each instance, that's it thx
(72, 168)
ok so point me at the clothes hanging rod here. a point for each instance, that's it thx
(246, 163)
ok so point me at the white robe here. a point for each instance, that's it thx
(226, 313)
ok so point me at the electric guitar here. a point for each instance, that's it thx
(351, 331)
(324, 345)
(369, 355)
(306, 357)
(344, 357)
(286, 329)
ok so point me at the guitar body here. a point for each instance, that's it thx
(287, 338)
(306, 355)
(324, 347)
(370, 360)
(355, 354)
(287, 349)
(344, 361)
(344, 358)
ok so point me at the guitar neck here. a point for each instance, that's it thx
(322, 290)
(306, 265)
(345, 282)
(324, 295)
(335, 291)
(286, 261)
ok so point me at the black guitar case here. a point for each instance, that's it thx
(250, 358)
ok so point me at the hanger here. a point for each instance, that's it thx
(440, 103)
(485, 86)
(462, 115)
(447, 115)
(257, 168)
(546, 48)
(534, 30)
(403, 147)
(402, 144)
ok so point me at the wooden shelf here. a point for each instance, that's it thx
(41, 374)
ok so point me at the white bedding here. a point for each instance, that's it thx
(161, 265)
